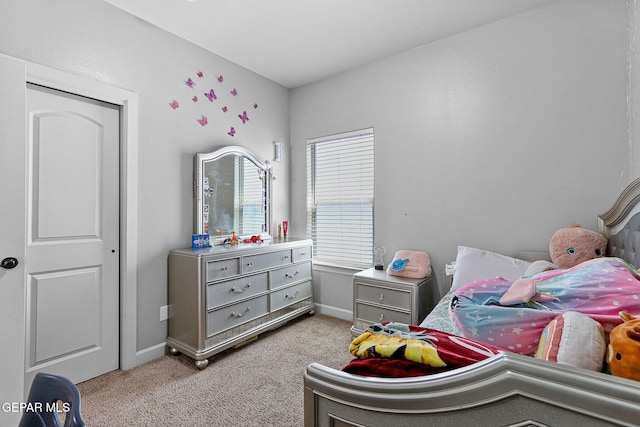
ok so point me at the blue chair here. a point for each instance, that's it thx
(43, 403)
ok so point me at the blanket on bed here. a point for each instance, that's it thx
(599, 288)
(400, 350)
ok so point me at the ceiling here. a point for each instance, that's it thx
(296, 42)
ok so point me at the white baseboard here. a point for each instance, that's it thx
(340, 313)
(150, 353)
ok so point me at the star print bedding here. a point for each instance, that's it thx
(599, 288)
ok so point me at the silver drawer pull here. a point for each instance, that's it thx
(246, 310)
(381, 297)
(303, 253)
(286, 257)
(291, 275)
(240, 290)
(381, 317)
(249, 264)
(287, 296)
(224, 268)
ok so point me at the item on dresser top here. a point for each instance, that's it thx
(599, 288)
(200, 241)
(394, 349)
(413, 264)
(623, 353)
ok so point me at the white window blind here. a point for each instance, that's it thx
(340, 193)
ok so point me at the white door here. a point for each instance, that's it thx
(72, 235)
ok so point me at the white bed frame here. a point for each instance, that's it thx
(505, 390)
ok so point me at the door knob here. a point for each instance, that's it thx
(9, 263)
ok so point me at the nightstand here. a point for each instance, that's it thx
(379, 297)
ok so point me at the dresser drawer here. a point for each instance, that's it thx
(385, 296)
(265, 261)
(222, 269)
(287, 275)
(301, 254)
(374, 314)
(237, 314)
(290, 295)
(226, 292)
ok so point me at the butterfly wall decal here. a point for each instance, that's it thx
(200, 74)
(232, 132)
(220, 79)
(255, 105)
(203, 121)
(224, 109)
(194, 99)
(174, 104)
(190, 82)
(244, 117)
(234, 92)
(211, 95)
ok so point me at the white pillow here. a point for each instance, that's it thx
(476, 264)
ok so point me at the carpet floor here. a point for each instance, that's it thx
(259, 384)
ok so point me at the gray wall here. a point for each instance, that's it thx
(492, 138)
(96, 40)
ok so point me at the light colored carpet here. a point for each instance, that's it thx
(260, 384)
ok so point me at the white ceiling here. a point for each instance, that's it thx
(296, 42)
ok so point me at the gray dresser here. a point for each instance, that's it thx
(222, 296)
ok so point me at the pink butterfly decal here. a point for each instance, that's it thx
(203, 121)
(234, 92)
(194, 99)
(190, 82)
(255, 105)
(174, 104)
(244, 117)
(224, 109)
(211, 95)
(232, 131)
(200, 74)
(220, 79)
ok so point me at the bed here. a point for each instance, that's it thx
(507, 389)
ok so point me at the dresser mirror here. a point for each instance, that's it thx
(232, 194)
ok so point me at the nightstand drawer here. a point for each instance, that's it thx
(382, 295)
(236, 289)
(301, 254)
(265, 261)
(237, 314)
(375, 314)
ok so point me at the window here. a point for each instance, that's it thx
(340, 188)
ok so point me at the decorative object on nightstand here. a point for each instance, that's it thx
(379, 257)
(379, 297)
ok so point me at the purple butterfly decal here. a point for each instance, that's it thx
(234, 92)
(174, 104)
(232, 131)
(203, 121)
(190, 82)
(220, 79)
(200, 74)
(224, 109)
(194, 99)
(255, 105)
(244, 117)
(211, 95)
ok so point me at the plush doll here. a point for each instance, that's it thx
(623, 352)
(571, 246)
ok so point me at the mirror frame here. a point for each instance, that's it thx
(198, 178)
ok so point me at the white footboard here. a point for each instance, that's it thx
(506, 390)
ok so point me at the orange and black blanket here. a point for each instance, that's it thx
(400, 350)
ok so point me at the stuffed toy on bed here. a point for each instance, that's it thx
(623, 352)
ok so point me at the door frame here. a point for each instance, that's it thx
(128, 102)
